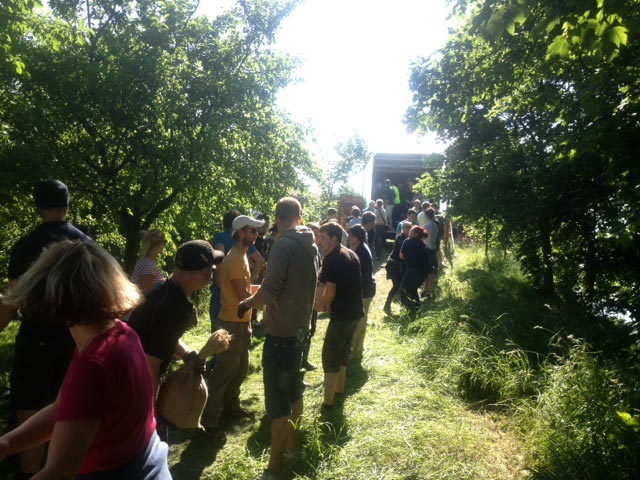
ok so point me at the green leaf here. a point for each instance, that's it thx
(552, 24)
(629, 420)
(559, 47)
(617, 35)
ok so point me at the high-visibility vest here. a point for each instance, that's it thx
(396, 191)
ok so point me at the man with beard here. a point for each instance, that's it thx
(231, 367)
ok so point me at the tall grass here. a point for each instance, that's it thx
(564, 374)
(580, 425)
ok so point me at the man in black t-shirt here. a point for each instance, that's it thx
(342, 297)
(164, 316)
(42, 353)
(167, 313)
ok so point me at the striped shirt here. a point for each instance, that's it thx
(146, 266)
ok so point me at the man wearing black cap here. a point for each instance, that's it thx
(42, 353)
(167, 312)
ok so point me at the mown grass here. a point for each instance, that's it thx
(392, 424)
(491, 381)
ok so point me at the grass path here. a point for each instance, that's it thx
(390, 425)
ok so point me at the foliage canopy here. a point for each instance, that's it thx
(539, 101)
(151, 115)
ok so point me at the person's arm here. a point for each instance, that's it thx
(35, 431)
(70, 443)
(146, 282)
(154, 366)
(240, 286)
(181, 349)
(324, 302)
(258, 263)
(273, 283)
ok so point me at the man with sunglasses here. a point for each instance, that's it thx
(231, 367)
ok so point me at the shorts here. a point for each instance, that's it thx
(337, 344)
(281, 363)
(41, 359)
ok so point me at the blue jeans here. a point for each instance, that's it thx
(149, 465)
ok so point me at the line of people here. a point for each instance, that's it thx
(91, 351)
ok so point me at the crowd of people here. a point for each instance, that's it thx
(93, 345)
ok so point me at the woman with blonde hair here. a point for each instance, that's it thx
(102, 424)
(146, 272)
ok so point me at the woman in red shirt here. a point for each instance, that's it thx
(102, 424)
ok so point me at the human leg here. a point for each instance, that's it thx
(361, 329)
(283, 394)
(307, 344)
(342, 379)
(396, 278)
(410, 283)
(41, 359)
(231, 402)
(330, 363)
(228, 366)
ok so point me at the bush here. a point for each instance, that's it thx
(493, 341)
(581, 427)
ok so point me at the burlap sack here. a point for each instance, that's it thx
(183, 395)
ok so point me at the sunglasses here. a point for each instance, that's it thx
(251, 230)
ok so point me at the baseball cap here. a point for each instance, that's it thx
(242, 221)
(197, 255)
(50, 194)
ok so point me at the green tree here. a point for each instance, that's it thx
(541, 135)
(354, 156)
(155, 115)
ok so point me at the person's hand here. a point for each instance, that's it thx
(193, 357)
(243, 308)
(221, 340)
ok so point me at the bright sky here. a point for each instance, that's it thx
(356, 57)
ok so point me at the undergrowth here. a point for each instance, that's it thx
(568, 377)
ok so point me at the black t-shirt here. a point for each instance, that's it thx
(342, 267)
(28, 249)
(415, 253)
(162, 319)
(397, 245)
(366, 271)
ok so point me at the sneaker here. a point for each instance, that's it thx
(309, 367)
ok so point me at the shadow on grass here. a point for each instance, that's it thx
(327, 432)
(196, 457)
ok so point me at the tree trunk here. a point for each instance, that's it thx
(131, 226)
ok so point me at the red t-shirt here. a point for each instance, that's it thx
(111, 381)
